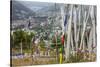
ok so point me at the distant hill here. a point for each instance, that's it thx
(19, 11)
(49, 10)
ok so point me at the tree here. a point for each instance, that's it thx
(21, 39)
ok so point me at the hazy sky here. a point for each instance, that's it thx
(35, 5)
